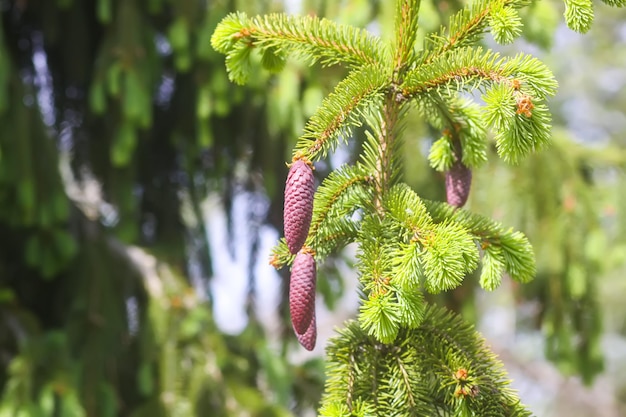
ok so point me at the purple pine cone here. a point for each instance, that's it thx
(302, 292)
(298, 210)
(458, 183)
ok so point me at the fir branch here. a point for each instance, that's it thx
(340, 111)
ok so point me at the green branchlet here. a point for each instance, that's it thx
(406, 33)
(460, 120)
(579, 15)
(340, 111)
(615, 3)
(505, 23)
(307, 37)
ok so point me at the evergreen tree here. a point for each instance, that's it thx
(403, 355)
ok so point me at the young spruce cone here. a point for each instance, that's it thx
(458, 182)
(308, 339)
(299, 191)
(302, 292)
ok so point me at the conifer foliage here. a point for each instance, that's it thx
(403, 356)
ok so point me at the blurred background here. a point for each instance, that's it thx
(141, 194)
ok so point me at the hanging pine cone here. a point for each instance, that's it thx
(298, 210)
(308, 339)
(302, 292)
(458, 182)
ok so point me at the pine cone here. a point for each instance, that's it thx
(299, 191)
(302, 292)
(458, 182)
(308, 339)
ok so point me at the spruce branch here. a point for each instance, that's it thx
(386, 168)
(383, 140)
(449, 255)
(493, 267)
(340, 111)
(462, 124)
(336, 234)
(468, 25)
(308, 37)
(467, 69)
(507, 247)
(281, 255)
(407, 208)
(615, 3)
(339, 195)
(343, 192)
(579, 15)
(521, 124)
(444, 350)
(514, 89)
(390, 300)
(446, 252)
(505, 23)
(406, 25)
